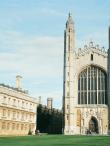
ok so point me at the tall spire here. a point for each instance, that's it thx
(70, 20)
(70, 15)
(70, 34)
(69, 73)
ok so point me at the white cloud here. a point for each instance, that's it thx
(38, 59)
(21, 48)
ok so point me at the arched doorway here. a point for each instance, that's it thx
(93, 125)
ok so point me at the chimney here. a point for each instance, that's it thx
(49, 103)
(18, 82)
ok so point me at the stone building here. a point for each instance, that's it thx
(86, 87)
(17, 110)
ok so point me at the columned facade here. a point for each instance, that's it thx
(86, 86)
(17, 111)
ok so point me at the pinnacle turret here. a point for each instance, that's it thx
(69, 21)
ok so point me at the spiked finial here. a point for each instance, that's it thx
(70, 20)
(69, 14)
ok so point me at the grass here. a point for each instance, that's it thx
(55, 140)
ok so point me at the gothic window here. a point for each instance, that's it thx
(91, 57)
(92, 86)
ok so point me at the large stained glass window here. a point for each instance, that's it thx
(92, 86)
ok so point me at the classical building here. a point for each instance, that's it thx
(17, 110)
(86, 87)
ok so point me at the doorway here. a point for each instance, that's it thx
(93, 125)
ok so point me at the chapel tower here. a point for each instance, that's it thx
(69, 72)
(85, 89)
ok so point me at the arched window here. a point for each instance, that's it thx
(92, 86)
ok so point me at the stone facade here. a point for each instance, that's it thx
(85, 95)
(17, 111)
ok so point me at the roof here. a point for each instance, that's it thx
(92, 47)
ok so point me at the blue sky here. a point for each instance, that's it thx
(31, 40)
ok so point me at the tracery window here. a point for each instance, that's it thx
(92, 86)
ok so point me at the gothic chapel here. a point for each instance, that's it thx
(86, 86)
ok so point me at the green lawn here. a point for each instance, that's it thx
(55, 140)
